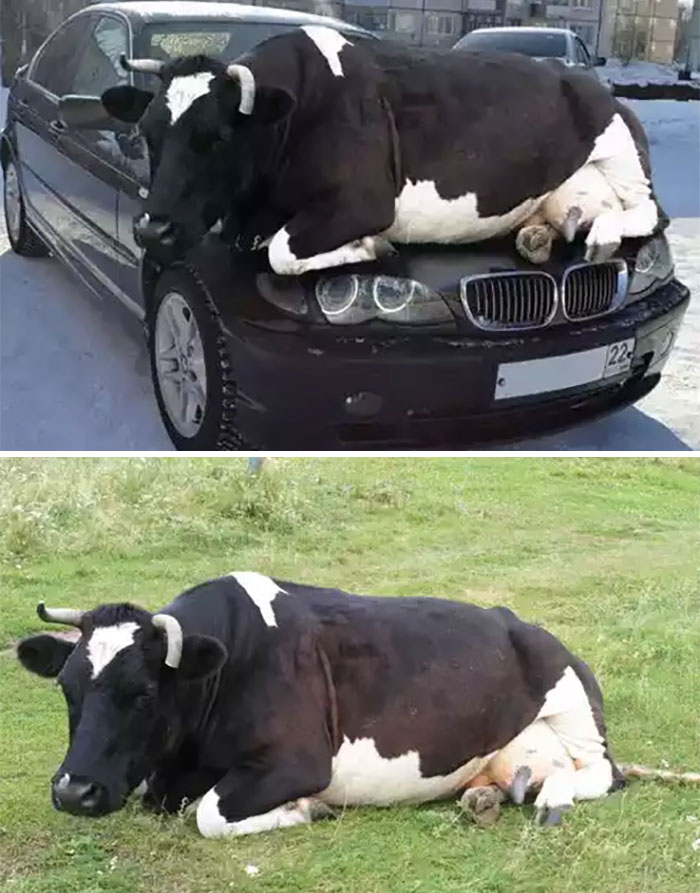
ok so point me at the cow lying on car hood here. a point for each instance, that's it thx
(255, 694)
(331, 149)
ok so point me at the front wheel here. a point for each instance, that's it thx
(190, 365)
(23, 239)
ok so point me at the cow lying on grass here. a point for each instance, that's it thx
(332, 149)
(256, 695)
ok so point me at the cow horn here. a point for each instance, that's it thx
(245, 78)
(173, 637)
(59, 615)
(147, 66)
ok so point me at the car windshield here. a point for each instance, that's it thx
(222, 40)
(531, 43)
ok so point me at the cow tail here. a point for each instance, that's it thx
(632, 770)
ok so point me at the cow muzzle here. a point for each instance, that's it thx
(79, 796)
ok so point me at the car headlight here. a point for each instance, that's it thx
(653, 266)
(348, 300)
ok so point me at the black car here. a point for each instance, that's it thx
(432, 347)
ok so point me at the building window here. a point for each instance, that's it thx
(402, 22)
(371, 19)
(442, 24)
(584, 4)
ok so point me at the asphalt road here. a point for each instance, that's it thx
(71, 378)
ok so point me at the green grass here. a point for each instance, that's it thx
(602, 552)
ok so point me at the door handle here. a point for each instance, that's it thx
(57, 126)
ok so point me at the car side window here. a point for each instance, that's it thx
(98, 67)
(54, 64)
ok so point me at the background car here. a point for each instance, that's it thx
(434, 346)
(539, 43)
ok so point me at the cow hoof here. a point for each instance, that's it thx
(548, 816)
(482, 805)
(534, 243)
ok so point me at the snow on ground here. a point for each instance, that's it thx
(70, 378)
(637, 72)
(673, 129)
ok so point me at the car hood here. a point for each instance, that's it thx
(232, 277)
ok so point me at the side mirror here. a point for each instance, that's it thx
(87, 113)
(600, 60)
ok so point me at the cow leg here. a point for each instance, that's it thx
(212, 821)
(329, 239)
(570, 714)
(617, 157)
(170, 792)
(249, 801)
(562, 787)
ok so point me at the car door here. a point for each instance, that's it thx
(38, 129)
(95, 159)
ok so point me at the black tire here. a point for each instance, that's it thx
(23, 239)
(216, 426)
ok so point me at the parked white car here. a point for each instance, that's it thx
(539, 43)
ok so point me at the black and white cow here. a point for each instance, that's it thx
(333, 148)
(255, 694)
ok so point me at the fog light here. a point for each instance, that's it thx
(363, 404)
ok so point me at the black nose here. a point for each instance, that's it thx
(150, 230)
(79, 796)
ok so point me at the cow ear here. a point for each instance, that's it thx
(126, 103)
(44, 655)
(201, 656)
(272, 105)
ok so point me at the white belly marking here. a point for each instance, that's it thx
(423, 216)
(360, 775)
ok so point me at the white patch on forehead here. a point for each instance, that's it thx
(422, 215)
(106, 642)
(183, 91)
(329, 42)
(361, 776)
(261, 590)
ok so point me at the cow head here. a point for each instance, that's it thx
(124, 681)
(210, 130)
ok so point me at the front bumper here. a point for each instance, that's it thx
(330, 390)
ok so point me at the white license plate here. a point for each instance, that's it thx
(566, 371)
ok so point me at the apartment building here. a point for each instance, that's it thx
(639, 29)
(581, 16)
